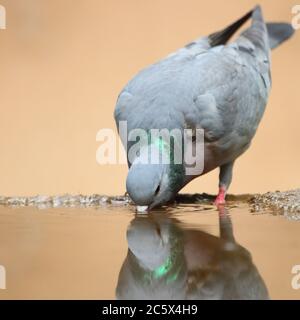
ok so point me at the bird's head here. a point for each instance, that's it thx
(153, 184)
(149, 184)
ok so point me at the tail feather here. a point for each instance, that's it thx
(263, 36)
(278, 33)
(221, 37)
(257, 32)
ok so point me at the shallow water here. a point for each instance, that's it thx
(191, 251)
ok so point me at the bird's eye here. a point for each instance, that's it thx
(157, 190)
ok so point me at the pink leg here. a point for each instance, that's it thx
(220, 199)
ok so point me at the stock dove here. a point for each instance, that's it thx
(219, 87)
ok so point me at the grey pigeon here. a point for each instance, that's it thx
(210, 85)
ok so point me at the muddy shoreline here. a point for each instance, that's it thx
(285, 202)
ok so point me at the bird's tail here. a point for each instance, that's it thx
(262, 35)
(222, 36)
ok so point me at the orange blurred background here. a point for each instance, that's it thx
(64, 62)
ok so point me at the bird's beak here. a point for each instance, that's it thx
(142, 209)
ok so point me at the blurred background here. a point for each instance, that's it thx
(63, 64)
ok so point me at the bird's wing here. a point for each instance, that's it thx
(235, 84)
(220, 88)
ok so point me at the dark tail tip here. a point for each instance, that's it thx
(221, 37)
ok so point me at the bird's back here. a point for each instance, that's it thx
(221, 88)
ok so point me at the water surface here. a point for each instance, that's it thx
(189, 251)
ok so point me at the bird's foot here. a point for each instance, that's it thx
(220, 199)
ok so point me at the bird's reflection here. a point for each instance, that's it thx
(165, 260)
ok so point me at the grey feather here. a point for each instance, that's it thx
(278, 33)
